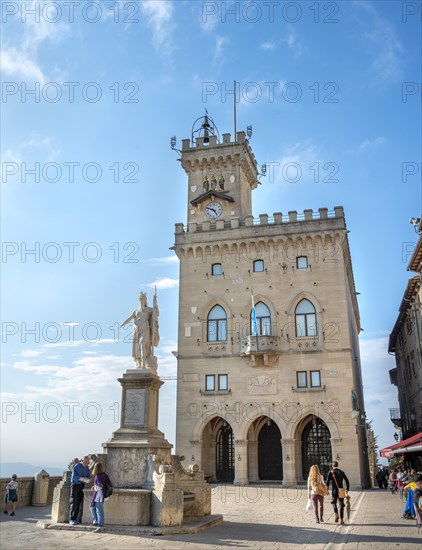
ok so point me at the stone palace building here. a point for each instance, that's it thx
(269, 374)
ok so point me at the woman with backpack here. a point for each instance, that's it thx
(317, 490)
(102, 486)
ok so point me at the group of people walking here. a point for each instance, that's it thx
(81, 475)
(318, 488)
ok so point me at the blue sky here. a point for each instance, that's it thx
(327, 85)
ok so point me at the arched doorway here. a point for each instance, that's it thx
(316, 447)
(225, 454)
(270, 460)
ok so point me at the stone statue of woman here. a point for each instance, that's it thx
(145, 332)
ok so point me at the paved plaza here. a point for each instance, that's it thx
(258, 517)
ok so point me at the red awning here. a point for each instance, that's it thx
(388, 452)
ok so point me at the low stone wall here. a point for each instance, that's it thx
(26, 489)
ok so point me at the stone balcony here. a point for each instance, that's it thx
(260, 349)
(305, 343)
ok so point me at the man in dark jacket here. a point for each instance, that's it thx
(80, 476)
(336, 477)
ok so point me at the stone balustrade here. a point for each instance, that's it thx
(26, 489)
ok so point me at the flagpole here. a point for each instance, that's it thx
(253, 318)
(234, 111)
(153, 320)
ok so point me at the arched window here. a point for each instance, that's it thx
(263, 319)
(305, 319)
(217, 325)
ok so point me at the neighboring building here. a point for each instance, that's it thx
(406, 343)
(264, 392)
(372, 454)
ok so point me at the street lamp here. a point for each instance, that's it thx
(396, 436)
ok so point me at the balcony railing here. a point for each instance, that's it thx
(258, 345)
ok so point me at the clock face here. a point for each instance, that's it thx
(213, 210)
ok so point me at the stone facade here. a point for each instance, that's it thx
(265, 403)
(406, 343)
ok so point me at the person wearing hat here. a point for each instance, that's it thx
(11, 495)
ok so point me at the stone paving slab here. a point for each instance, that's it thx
(189, 527)
(255, 517)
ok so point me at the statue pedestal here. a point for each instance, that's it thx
(138, 436)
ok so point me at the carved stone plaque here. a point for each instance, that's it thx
(191, 377)
(262, 385)
(135, 407)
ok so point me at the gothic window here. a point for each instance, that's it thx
(258, 266)
(305, 319)
(216, 269)
(302, 262)
(263, 319)
(217, 325)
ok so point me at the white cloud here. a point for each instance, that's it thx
(32, 353)
(160, 19)
(220, 42)
(267, 46)
(39, 147)
(18, 63)
(293, 43)
(368, 144)
(163, 283)
(87, 377)
(294, 164)
(385, 48)
(209, 16)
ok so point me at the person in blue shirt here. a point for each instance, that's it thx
(80, 476)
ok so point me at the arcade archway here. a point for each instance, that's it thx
(316, 446)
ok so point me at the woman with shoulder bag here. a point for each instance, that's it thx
(317, 490)
(101, 481)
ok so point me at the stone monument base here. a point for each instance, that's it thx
(124, 507)
(151, 487)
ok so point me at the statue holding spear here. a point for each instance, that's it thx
(145, 332)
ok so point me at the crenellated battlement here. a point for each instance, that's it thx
(264, 220)
(212, 141)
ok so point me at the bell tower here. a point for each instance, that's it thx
(221, 174)
(268, 323)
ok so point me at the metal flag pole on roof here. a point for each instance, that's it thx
(234, 110)
(153, 320)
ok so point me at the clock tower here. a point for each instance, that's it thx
(268, 365)
(221, 175)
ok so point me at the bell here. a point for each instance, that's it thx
(206, 127)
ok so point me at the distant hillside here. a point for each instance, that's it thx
(23, 469)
